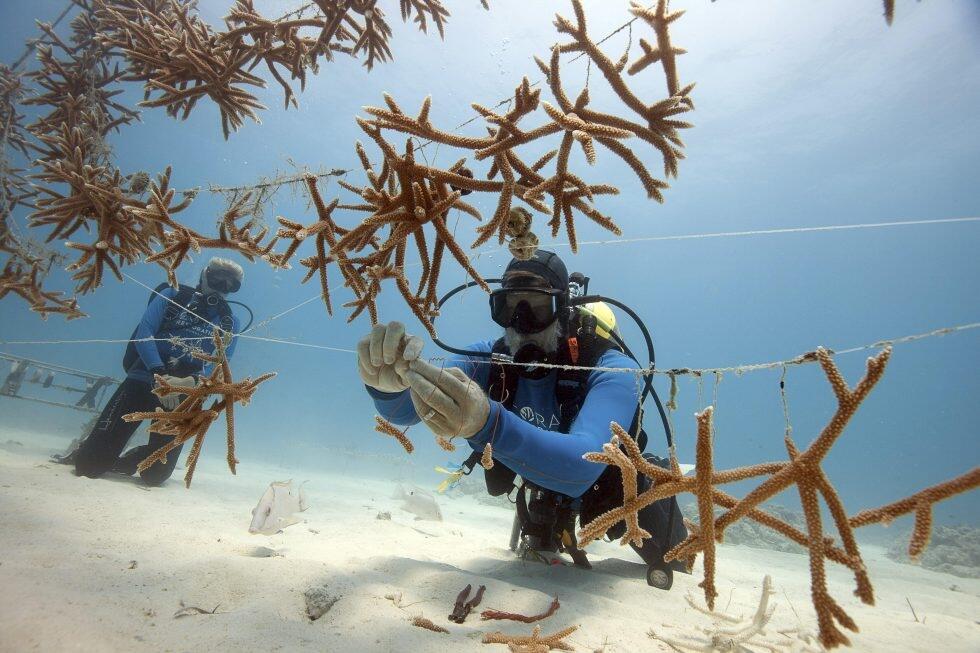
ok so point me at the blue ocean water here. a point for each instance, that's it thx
(808, 114)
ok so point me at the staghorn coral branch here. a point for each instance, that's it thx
(921, 503)
(424, 622)
(190, 420)
(407, 195)
(387, 428)
(803, 469)
(180, 59)
(23, 280)
(534, 642)
(704, 469)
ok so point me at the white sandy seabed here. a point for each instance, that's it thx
(103, 565)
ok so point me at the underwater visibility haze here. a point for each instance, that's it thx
(789, 224)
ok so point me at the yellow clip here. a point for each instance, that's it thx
(453, 477)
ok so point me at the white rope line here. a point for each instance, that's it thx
(95, 340)
(673, 372)
(475, 257)
(756, 232)
(299, 344)
(181, 307)
(124, 340)
(275, 317)
(802, 359)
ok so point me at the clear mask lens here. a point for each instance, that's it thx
(525, 309)
(223, 281)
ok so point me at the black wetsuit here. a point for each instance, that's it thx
(100, 451)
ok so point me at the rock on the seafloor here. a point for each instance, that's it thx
(952, 550)
(319, 600)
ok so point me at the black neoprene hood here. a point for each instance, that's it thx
(546, 265)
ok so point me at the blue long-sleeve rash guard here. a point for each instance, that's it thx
(523, 437)
(154, 353)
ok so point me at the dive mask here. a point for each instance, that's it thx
(223, 281)
(527, 310)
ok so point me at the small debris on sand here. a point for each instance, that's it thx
(318, 602)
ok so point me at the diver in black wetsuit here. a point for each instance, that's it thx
(172, 316)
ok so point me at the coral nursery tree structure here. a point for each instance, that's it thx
(803, 470)
(181, 59)
(26, 263)
(404, 196)
(78, 186)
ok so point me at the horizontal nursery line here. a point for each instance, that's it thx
(801, 359)
(756, 232)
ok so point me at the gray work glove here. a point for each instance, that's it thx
(172, 400)
(449, 402)
(384, 354)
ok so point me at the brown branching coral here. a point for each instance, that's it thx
(75, 79)
(180, 59)
(178, 241)
(387, 428)
(921, 504)
(889, 10)
(326, 232)
(403, 195)
(402, 199)
(26, 262)
(533, 643)
(15, 189)
(528, 619)
(659, 19)
(24, 282)
(803, 470)
(96, 197)
(78, 187)
(190, 420)
(426, 623)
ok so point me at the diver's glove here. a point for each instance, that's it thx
(384, 354)
(172, 400)
(449, 402)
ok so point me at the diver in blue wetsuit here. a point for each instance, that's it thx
(538, 420)
(177, 319)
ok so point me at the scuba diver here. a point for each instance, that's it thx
(172, 318)
(539, 420)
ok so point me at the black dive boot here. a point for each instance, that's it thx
(67, 458)
(129, 461)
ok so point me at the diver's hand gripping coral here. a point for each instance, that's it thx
(449, 402)
(384, 354)
(171, 400)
